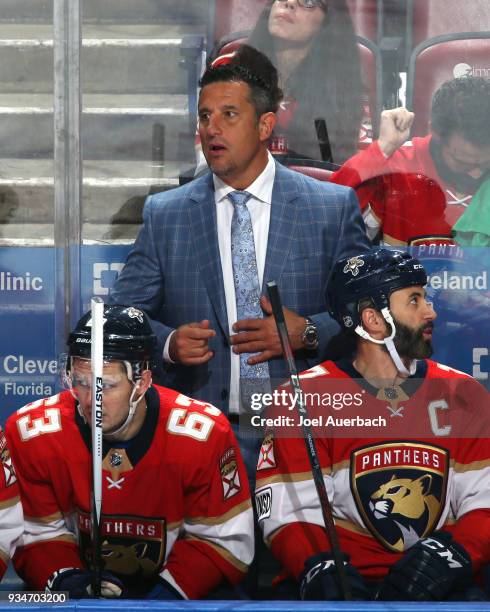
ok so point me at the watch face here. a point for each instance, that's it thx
(310, 337)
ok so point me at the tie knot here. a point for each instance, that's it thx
(239, 198)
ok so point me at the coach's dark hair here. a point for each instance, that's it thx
(253, 68)
(463, 105)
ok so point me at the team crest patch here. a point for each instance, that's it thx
(266, 454)
(135, 313)
(8, 468)
(230, 478)
(353, 264)
(399, 489)
(132, 546)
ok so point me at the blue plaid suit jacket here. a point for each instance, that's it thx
(173, 271)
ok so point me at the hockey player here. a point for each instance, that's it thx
(415, 194)
(11, 520)
(404, 452)
(176, 509)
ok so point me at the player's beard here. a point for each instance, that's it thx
(410, 343)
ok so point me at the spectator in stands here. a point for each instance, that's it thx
(182, 270)
(416, 193)
(313, 46)
(11, 519)
(176, 519)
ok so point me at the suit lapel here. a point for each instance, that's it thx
(281, 227)
(205, 236)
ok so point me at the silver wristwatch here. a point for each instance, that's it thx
(309, 337)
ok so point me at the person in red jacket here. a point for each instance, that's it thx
(414, 194)
(176, 511)
(403, 445)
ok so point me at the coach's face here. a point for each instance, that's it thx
(234, 140)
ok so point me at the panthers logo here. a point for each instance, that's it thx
(400, 490)
(128, 560)
(133, 547)
(406, 502)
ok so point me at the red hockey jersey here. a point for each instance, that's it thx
(11, 519)
(398, 464)
(175, 499)
(403, 194)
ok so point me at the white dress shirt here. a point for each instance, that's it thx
(259, 206)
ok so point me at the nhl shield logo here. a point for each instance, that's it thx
(400, 490)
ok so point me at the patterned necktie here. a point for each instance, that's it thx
(247, 289)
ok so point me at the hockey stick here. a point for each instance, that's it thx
(97, 361)
(273, 291)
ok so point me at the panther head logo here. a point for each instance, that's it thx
(127, 560)
(407, 503)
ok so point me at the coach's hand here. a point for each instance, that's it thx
(260, 335)
(320, 580)
(189, 343)
(78, 583)
(430, 570)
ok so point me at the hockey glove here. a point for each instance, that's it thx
(320, 581)
(432, 569)
(78, 583)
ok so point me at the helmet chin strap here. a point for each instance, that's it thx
(390, 345)
(132, 409)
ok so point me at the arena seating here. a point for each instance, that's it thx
(429, 18)
(234, 16)
(439, 59)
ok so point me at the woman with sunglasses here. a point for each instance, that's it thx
(313, 46)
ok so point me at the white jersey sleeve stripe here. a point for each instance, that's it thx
(34, 532)
(11, 529)
(233, 539)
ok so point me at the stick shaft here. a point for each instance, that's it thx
(316, 469)
(97, 361)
